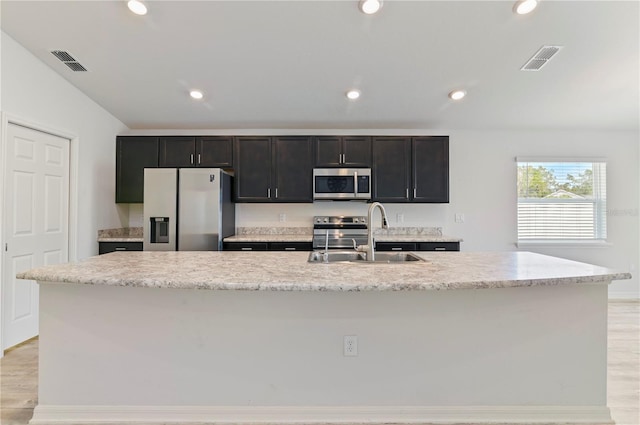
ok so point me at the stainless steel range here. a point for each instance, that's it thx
(339, 231)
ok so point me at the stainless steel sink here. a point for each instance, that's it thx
(360, 257)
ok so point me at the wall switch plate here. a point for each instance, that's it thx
(459, 218)
(283, 217)
(350, 347)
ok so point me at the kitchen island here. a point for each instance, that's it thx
(235, 337)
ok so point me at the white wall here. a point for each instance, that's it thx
(35, 94)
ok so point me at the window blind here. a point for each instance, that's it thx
(561, 200)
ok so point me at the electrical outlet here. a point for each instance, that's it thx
(283, 217)
(400, 218)
(459, 218)
(350, 347)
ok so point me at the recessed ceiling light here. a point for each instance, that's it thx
(370, 6)
(137, 7)
(522, 7)
(353, 94)
(196, 94)
(457, 94)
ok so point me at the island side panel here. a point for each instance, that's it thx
(124, 346)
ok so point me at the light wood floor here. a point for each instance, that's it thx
(19, 371)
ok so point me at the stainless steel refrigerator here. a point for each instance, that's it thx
(187, 209)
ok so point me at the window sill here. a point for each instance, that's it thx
(563, 244)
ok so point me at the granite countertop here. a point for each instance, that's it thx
(305, 234)
(125, 234)
(290, 271)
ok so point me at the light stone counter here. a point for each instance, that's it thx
(290, 271)
(124, 340)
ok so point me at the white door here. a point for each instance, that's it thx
(36, 222)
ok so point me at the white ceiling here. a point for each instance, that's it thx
(287, 64)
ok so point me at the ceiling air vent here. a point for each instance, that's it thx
(68, 60)
(541, 58)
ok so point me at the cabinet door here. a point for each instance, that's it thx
(356, 151)
(252, 169)
(395, 246)
(439, 246)
(133, 155)
(244, 246)
(177, 151)
(431, 169)
(214, 151)
(328, 150)
(107, 247)
(293, 169)
(290, 246)
(391, 169)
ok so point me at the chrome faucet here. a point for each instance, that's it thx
(369, 248)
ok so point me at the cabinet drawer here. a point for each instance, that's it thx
(290, 246)
(245, 246)
(395, 246)
(107, 247)
(439, 246)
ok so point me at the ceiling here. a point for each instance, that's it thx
(287, 64)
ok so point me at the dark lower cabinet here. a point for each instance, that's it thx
(245, 246)
(438, 246)
(417, 246)
(107, 247)
(395, 246)
(268, 246)
(290, 246)
(133, 155)
(273, 169)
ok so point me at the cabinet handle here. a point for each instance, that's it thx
(344, 158)
(247, 249)
(276, 193)
(199, 159)
(269, 193)
(439, 248)
(415, 191)
(407, 193)
(191, 159)
(289, 249)
(355, 184)
(121, 248)
(396, 248)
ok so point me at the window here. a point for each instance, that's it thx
(561, 200)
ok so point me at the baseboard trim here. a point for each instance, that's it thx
(151, 415)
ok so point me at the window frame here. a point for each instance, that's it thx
(599, 202)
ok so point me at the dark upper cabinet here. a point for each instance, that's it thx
(177, 151)
(342, 151)
(214, 151)
(133, 155)
(293, 169)
(430, 169)
(252, 169)
(391, 169)
(411, 169)
(202, 151)
(273, 169)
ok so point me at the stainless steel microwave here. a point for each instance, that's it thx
(342, 184)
